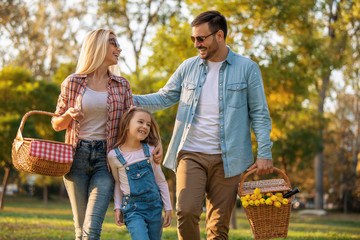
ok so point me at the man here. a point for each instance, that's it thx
(220, 95)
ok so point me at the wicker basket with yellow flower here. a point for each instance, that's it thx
(267, 210)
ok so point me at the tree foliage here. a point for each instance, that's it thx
(42, 33)
(135, 20)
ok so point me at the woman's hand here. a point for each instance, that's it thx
(119, 218)
(62, 122)
(167, 219)
(158, 153)
(75, 114)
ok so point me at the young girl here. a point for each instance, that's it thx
(141, 191)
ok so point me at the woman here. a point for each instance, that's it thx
(90, 106)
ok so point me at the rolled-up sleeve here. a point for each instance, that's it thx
(165, 97)
(63, 100)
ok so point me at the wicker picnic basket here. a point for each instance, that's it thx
(23, 160)
(266, 221)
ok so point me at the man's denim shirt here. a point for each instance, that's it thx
(242, 104)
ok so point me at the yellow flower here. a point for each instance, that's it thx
(269, 194)
(253, 197)
(257, 202)
(268, 201)
(243, 199)
(247, 197)
(285, 201)
(259, 196)
(251, 202)
(277, 204)
(245, 204)
(257, 191)
(279, 194)
(274, 198)
(262, 201)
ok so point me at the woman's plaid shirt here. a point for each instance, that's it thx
(119, 99)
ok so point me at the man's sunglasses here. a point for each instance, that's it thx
(114, 42)
(200, 39)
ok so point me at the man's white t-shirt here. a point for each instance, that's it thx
(204, 134)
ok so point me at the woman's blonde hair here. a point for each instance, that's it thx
(152, 139)
(93, 52)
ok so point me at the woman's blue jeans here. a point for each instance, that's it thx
(90, 186)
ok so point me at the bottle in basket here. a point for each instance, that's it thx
(291, 192)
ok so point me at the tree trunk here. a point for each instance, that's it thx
(319, 187)
(4, 185)
(45, 195)
(346, 195)
(357, 133)
(319, 179)
(62, 192)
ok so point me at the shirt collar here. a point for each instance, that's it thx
(112, 76)
(230, 56)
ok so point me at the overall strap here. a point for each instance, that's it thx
(119, 156)
(146, 149)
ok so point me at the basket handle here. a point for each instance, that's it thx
(19, 133)
(252, 171)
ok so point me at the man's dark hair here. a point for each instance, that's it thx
(215, 20)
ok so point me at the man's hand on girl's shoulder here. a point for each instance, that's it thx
(158, 153)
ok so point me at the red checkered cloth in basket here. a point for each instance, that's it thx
(51, 151)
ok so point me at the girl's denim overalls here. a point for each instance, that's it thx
(142, 208)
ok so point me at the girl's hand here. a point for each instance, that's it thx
(119, 218)
(167, 219)
(75, 114)
(158, 153)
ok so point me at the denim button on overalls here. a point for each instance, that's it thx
(142, 208)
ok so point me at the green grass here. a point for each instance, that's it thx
(28, 218)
